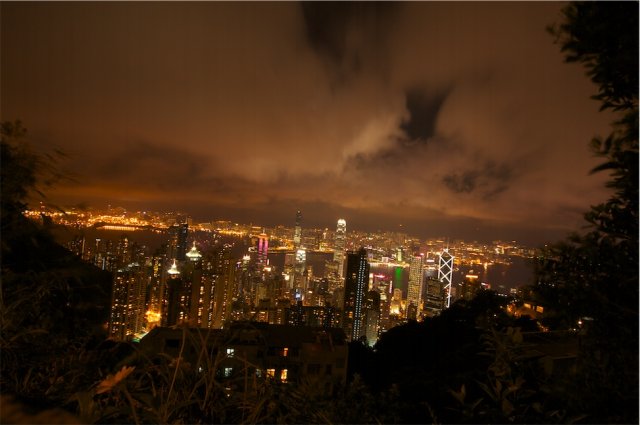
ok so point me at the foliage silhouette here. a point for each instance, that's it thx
(592, 277)
(52, 305)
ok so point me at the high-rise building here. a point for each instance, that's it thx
(468, 288)
(123, 252)
(128, 302)
(434, 296)
(201, 289)
(299, 270)
(355, 286)
(224, 268)
(157, 289)
(175, 308)
(297, 235)
(340, 241)
(263, 249)
(397, 278)
(372, 316)
(323, 244)
(416, 277)
(445, 274)
(178, 241)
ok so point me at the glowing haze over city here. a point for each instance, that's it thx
(424, 118)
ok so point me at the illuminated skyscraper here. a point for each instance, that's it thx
(157, 290)
(355, 287)
(445, 273)
(372, 316)
(340, 240)
(123, 252)
(175, 308)
(434, 296)
(201, 289)
(299, 271)
(263, 249)
(297, 235)
(128, 302)
(416, 277)
(397, 278)
(224, 287)
(178, 241)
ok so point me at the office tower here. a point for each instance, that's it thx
(123, 251)
(469, 288)
(289, 268)
(224, 267)
(355, 285)
(385, 311)
(434, 296)
(299, 270)
(414, 290)
(156, 290)
(445, 273)
(395, 307)
(324, 240)
(331, 273)
(430, 268)
(340, 240)
(399, 254)
(412, 311)
(263, 249)
(297, 235)
(105, 255)
(175, 297)
(178, 241)
(127, 303)
(397, 278)
(201, 288)
(372, 316)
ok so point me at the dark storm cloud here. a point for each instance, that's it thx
(351, 36)
(461, 183)
(490, 180)
(423, 111)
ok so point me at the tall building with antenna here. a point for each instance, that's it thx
(297, 235)
(175, 297)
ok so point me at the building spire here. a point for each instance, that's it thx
(173, 271)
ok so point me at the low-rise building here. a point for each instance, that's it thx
(287, 354)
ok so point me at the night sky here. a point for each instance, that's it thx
(441, 119)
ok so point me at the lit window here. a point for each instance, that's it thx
(271, 373)
(231, 352)
(259, 373)
(283, 375)
(285, 352)
(227, 371)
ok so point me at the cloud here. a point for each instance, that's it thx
(423, 111)
(420, 110)
(490, 180)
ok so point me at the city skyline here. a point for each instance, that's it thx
(457, 119)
